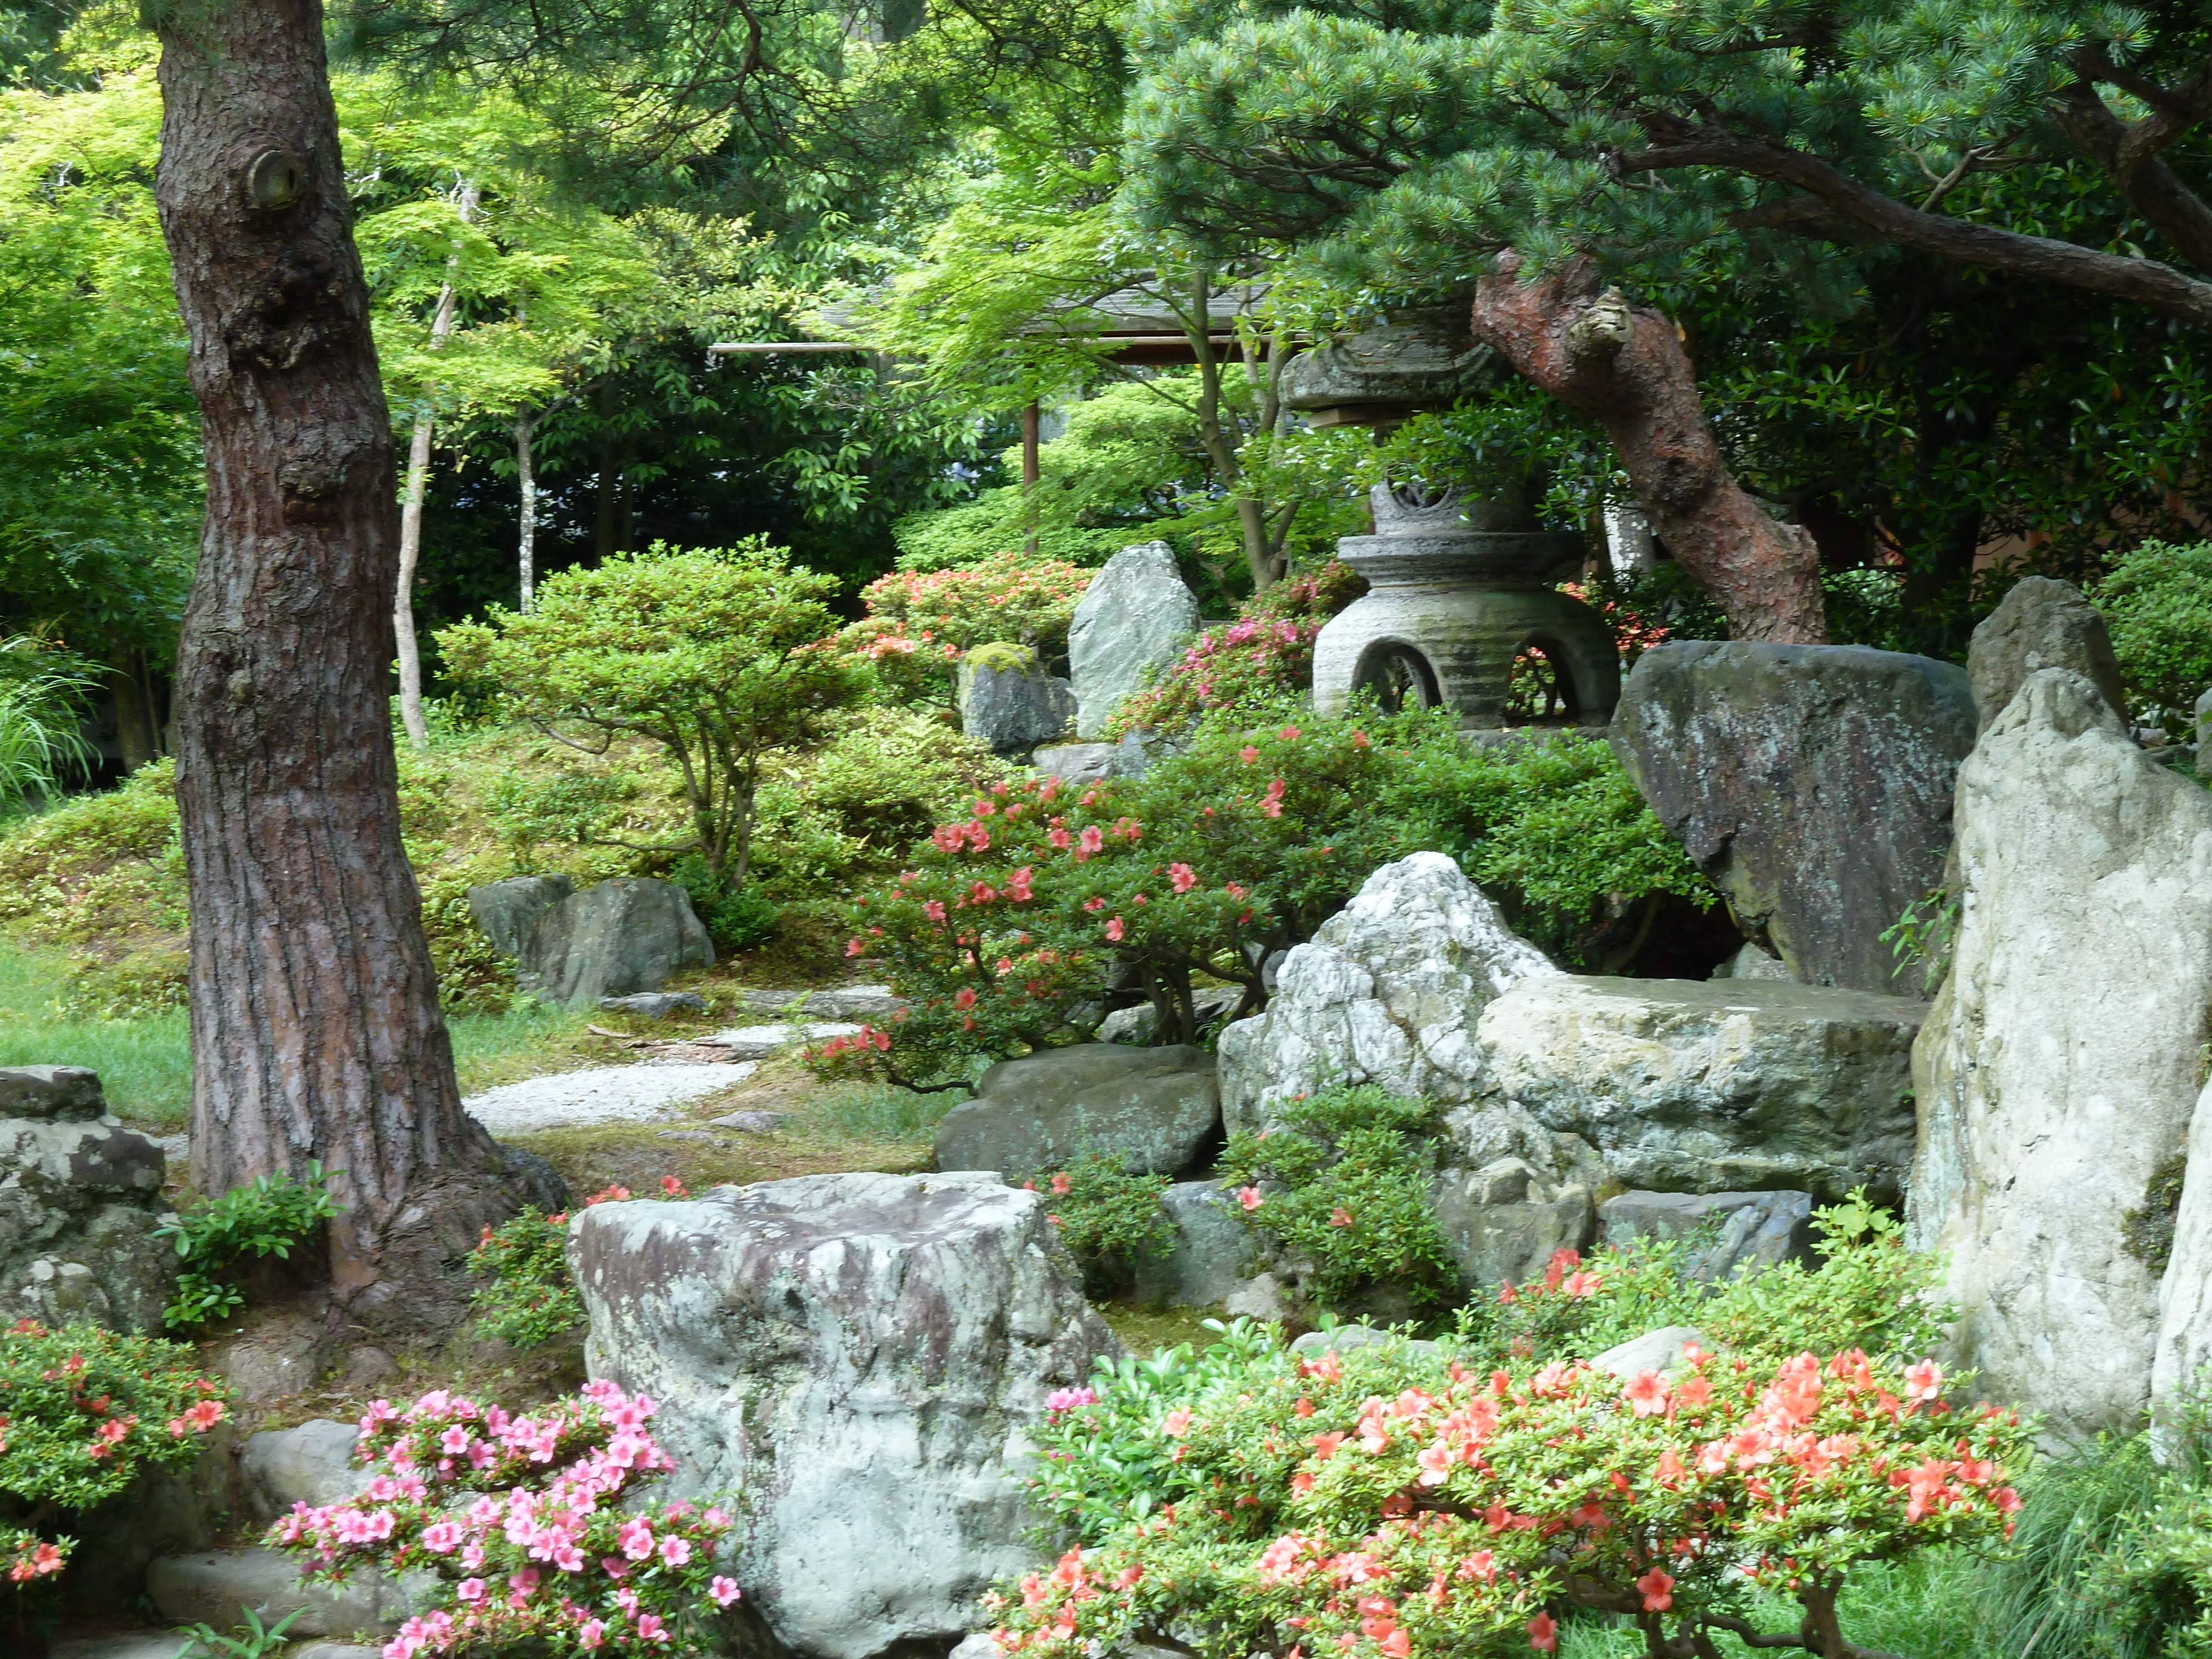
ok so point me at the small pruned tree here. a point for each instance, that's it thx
(717, 654)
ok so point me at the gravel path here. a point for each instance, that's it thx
(604, 1094)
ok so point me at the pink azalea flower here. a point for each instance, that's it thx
(724, 1590)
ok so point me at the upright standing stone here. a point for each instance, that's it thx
(1811, 782)
(1008, 702)
(2041, 624)
(508, 911)
(2057, 1069)
(1132, 622)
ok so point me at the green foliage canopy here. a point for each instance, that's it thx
(714, 654)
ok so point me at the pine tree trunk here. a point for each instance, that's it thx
(316, 1030)
(1627, 368)
(411, 512)
(526, 539)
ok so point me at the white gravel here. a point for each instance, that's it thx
(605, 1094)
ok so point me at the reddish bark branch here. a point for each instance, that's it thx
(1626, 368)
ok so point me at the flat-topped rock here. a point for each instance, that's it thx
(842, 1002)
(861, 1355)
(1155, 1110)
(1716, 1085)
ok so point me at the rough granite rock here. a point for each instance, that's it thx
(1138, 1025)
(1132, 623)
(1158, 1110)
(1751, 962)
(1811, 782)
(80, 1200)
(218, 1587)
(1206, 1263)
(1503, 1222)
(508, 911)
(1008, 702)
(612, 939)
(1747, 1229)
(858, 1359)
(1387, 991)
(1654, 1350)
(1714, 1086)
(1078, 762)
(310, 1463)
(2041, 623)
(2058, 1066)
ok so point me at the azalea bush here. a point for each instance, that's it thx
(919, 623)
(1108, 1217)
(528, 1297)
(1008, 919)
(1266, 654)
(1380, 1502)
(2158, 601)
(1394, 1500)
(83, 1414)
(1342, 1180)
(533, 1525)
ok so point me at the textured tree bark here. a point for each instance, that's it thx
(316, 1030)
(1627, 368)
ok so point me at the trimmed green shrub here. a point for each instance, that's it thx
(2158, 601)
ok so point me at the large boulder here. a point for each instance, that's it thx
(1387, 991)
(2057, 1070)
(80, 1201)
(1811, 782)
(1008, 702)
(612, 939)
(2041, 623)
(1132, 623)
(855, 1359)
(1714, 1086)
(508, 912)
(1156, 1111)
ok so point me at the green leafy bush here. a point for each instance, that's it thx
(43, 698)
(529, 1298)
(1266, 654)
(2158, 601)
(269, 1215)
(1108, 1217)
(1868, 1291)
(716, 655)
(1344, 1182)
(83, 1412)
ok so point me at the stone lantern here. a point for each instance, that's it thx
(1458, 589)
(1460, 580)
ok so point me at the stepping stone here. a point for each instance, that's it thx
(759, 1042)
(753, 1123)
(657, 1005)
(144, 1645)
